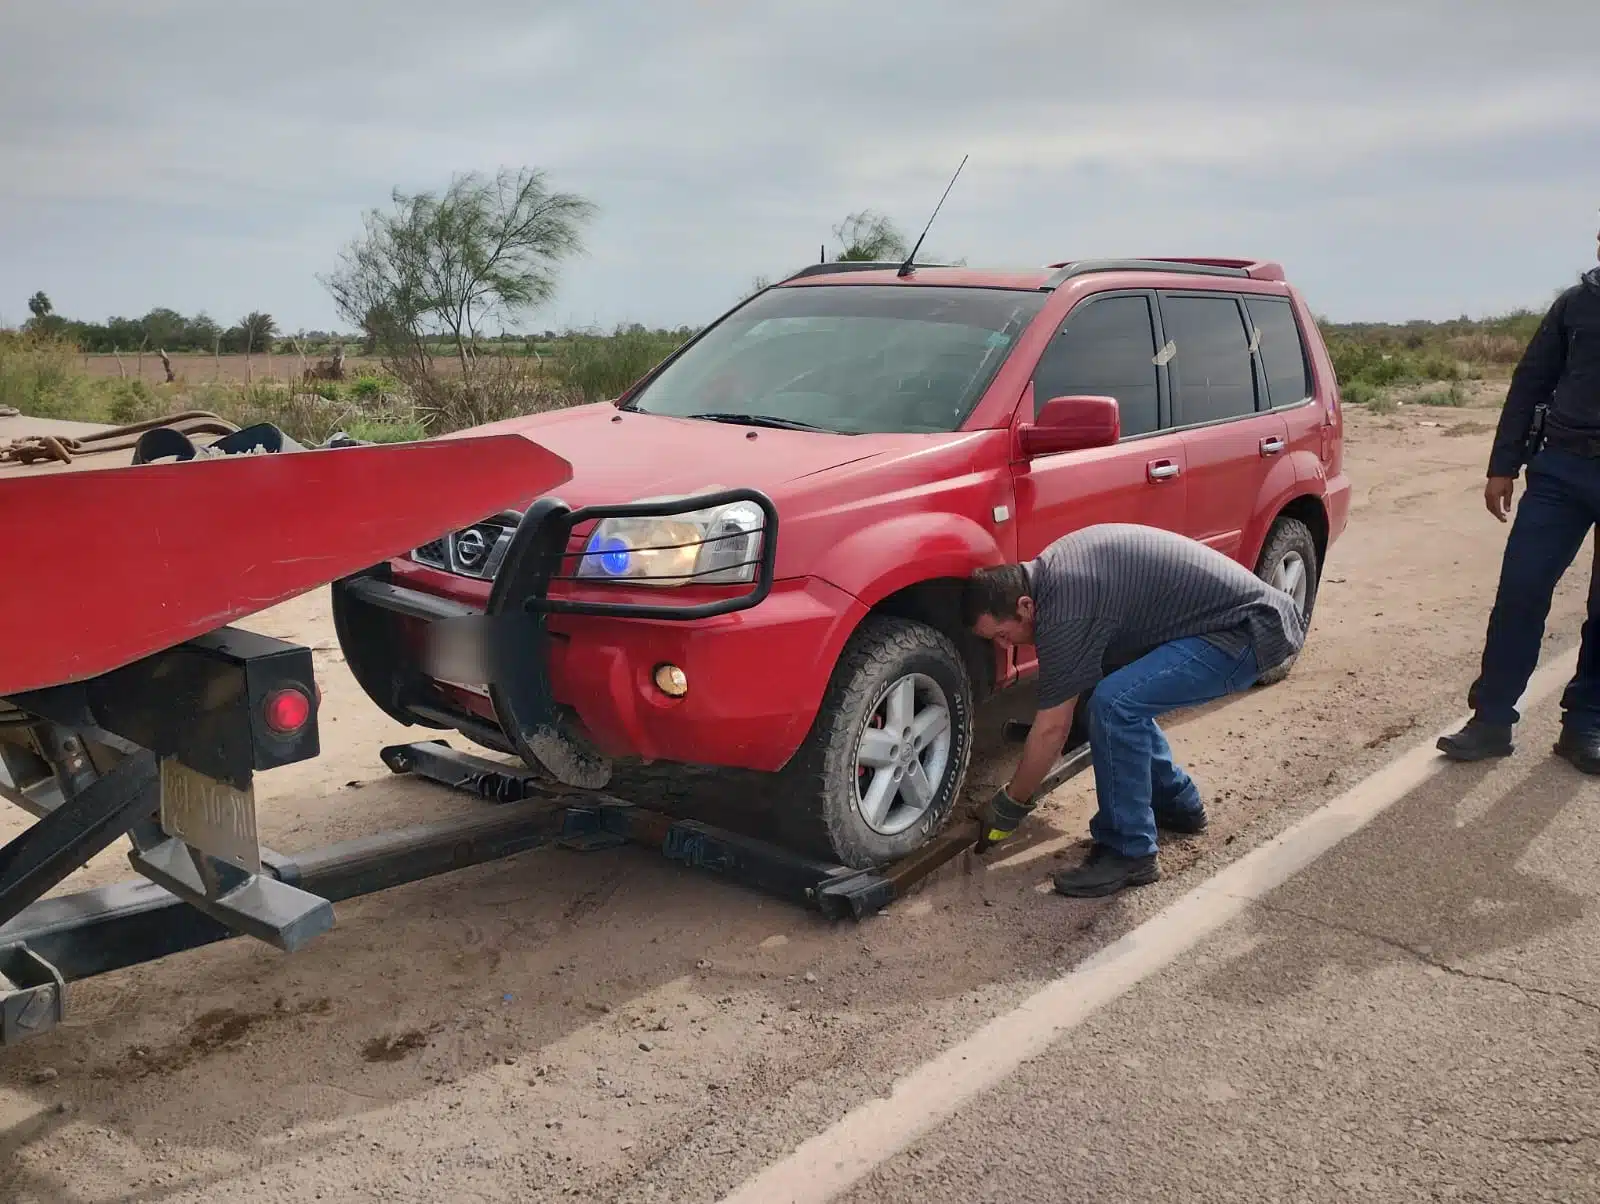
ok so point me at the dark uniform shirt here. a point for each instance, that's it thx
(1113, 592)
(1560, 369)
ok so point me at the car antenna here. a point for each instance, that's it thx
(906, 267)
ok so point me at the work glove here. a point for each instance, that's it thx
(1000, 817)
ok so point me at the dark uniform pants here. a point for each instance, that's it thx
(1560, 506)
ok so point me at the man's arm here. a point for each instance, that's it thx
(1041, 750)
(1532, 384)
(1071, 654)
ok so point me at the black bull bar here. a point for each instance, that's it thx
(509, 641)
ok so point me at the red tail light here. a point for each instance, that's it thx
(286, 711)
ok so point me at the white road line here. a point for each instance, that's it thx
(869, 1135)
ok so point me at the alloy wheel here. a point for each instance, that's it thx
(903, 754)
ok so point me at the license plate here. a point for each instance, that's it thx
(214, 817)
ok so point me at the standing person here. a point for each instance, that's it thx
(1187, 624)
(1559, 376)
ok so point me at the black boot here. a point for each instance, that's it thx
(1580, 748)
(1182, 823)
(1477, 741)
(1105, 873)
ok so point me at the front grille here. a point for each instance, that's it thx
(476, 551)
(434, 555)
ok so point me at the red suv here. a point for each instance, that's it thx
(757, 560)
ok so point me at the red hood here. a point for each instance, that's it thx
(620, 456)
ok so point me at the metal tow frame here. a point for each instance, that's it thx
(604, 821)
(59, 940)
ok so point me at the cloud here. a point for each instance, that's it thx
(1424, 158)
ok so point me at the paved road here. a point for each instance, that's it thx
(1416, 1016)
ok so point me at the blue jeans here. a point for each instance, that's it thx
(1561, 503)
(1133, 769)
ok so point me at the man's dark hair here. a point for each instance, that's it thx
(994, 592)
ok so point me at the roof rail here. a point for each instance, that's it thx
(847, 265)
(1256, 269)
(1087, 267)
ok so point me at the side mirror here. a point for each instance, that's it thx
(1066, 424)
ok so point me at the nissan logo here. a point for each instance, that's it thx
(471, 549)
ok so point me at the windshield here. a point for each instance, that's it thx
(848, 358)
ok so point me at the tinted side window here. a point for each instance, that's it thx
(1212, 376)
(1105, 348)
(1283, 356)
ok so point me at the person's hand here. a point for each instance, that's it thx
(999, 818)
(1497, 496)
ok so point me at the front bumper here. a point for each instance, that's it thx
(757, 662)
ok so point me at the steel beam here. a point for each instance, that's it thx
(64, 839)
(112, 927)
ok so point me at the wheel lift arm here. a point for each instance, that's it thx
(600, 821)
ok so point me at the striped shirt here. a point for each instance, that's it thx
(1106, 595)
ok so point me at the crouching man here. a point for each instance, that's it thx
(1187, 624)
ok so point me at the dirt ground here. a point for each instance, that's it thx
(604, 1026)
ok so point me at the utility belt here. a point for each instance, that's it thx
(1542, 434)
(1587, 446)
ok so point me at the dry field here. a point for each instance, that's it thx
(195, 368)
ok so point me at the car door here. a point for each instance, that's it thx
(1231, 438)
(1106, 347)
(1285, 370)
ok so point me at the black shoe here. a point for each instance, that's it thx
(1580, 748)
(1477, 741)
(1183, 823)
(1105, 873)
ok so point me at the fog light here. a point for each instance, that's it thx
(672, 681)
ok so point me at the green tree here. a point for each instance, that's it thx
(200, 333)
(164, 328)
(44, 319)
(869, 236)
(440, 265)
(251, 334)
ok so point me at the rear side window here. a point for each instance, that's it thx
(1105, 348)
(1212, 376)
(1283, 355)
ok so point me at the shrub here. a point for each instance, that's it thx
(383, 430)
(368, 389)
(1358, 392)
(601, 366)
(1436, 366)
(39, 376)
(132, 401)
(501, 387)
(1455, 396)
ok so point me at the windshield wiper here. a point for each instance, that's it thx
(781, 424)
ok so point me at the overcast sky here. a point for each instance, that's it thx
(1402, 159)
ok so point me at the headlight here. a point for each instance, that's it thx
(719, 546)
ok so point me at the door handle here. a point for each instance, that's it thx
(1162, 470)
(1272, 445)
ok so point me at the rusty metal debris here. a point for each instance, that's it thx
(63, 449)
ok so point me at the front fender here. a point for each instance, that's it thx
(876, 561)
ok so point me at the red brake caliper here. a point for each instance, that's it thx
(861, 770)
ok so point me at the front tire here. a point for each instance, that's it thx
(1289, 561)
(883, 764)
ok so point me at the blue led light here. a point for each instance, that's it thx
(613, 557)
